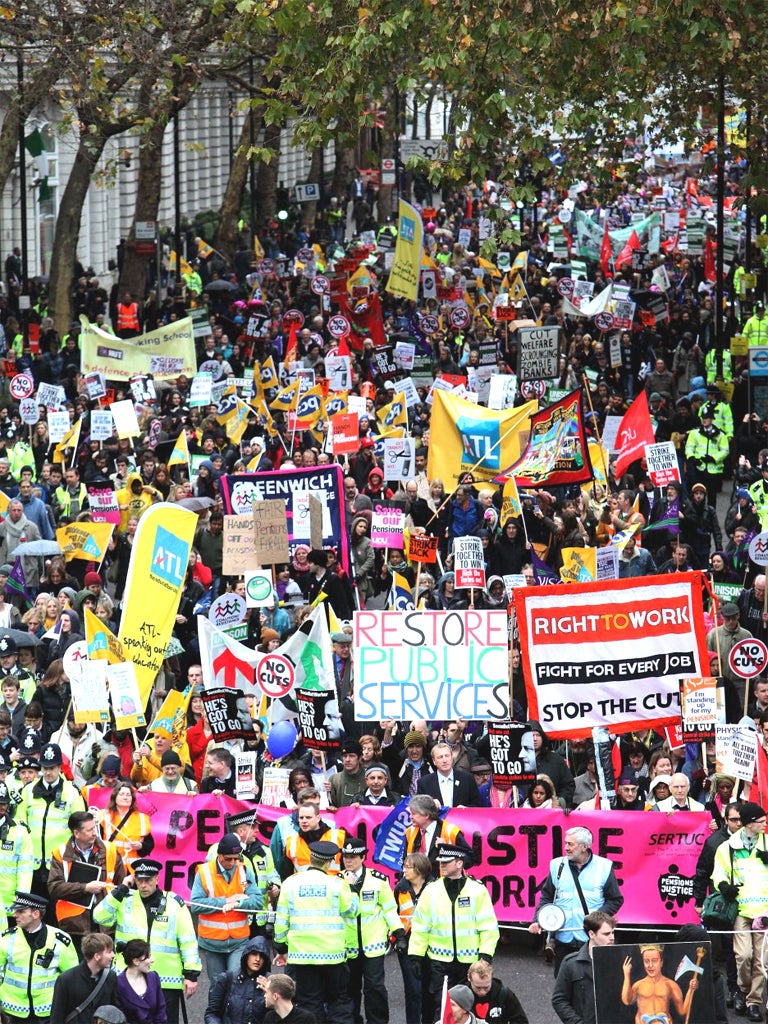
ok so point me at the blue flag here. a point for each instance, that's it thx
(390, 841)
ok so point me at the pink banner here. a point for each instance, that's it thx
(654, 855)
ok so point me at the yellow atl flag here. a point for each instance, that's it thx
(5, 501)
(286, 398)
(171, 721)
(156, 574)
(180, 454)
(464, 436)
(258, 249)
(427, 263)
(102, 642)
(510, 506)
(70, 440)
(579, 565)
(268, 374)
(395, 414)
(203, 249)
(404, 275)
(84, 540)
(186, 268)
(361, 278)
(599, 459)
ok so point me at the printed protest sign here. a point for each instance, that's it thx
(538, 353)
(314, 720)
(346, 439)
(124, 415)
(399, 458)
(89, 698)
(221, 709)
(246, 784)
(663, 467)
(101, 424)
(431, 664)
(258, 588)
(468, 562)
(698, 708)
(387, 527)
(736, 750)
(513, 761)
(124, 695)
(103, 502)
(239, 545)
(611, 652)
(422, 548)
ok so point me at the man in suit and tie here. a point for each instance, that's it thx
(453, 787)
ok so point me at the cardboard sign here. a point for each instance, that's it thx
(663, 467)
(468, 562)
(239, 546)
(271, 532)
(346, 440)
(538, 353)
(512, 764)
(422, 548)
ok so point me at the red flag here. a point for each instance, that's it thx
(635, 432)
(446, 1010)
(761, 776)
(606, 252)
(367, 321)
(291, 351)
(709, 258)
(625, 256)
(342, 348)
(670, 244)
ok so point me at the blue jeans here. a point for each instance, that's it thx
(215, 963)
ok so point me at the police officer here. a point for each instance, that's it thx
(161, 919)
(243, 825)
(314, 911)
(454, 923)
(368, 936)
(17, 861)
(32, 956)
(45, 809)
(706, 450)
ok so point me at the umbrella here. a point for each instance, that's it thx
(38, 547)
(220, 285)
(21, 637)
(196, 504)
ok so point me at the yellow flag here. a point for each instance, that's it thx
(599, 459)
(492, 269)
(510, 506)
(517, 291)
(5, 501)
(171, 720)
(102, 642)
(335, 403)
(268, 374)
(227, 406)
(203, 249)
(427, 263)
(186, 268)
(84, 540)
(180, 454)
(237, 424)
(258, 248)
(579, 565)
(395, 414)
(286, 398)
(404, 274)
(70, 440)
(156, 575)
(520, 261)
(309, 408)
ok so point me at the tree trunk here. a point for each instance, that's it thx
(133, 277)
(68, 229)
(342, 176)
(35, 89)
(231, 204)
(266, 182)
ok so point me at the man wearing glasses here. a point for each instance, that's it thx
(223, 891)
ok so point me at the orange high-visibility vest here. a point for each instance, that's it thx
(297, 850)
(128, 317)
(218, 925)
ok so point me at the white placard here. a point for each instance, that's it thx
(502, 389)
(124, 415)
(358, 404)
(58, 425)
(405, 353)
(101, 424)
(338, 370)
(399, 458)
(246, 787)
(610, 432)
(89, 697)
(124, 691)
(408, 388)
(607, 560)
(50, 395)
(736, 750)
(300, 515)
(200, 389)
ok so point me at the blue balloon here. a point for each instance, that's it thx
(281, 739)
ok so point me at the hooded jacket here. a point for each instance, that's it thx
(549, 762)
(235, 998)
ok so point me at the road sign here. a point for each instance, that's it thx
(307, 193)
(758, 549)
(22, 386)
(387, 172)
(748, 658)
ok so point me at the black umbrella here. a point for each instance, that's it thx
(21, 637)
(220, 285)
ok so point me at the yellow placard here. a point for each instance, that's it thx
(739, 345)
(166, 353)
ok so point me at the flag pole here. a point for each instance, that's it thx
(585, 385)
